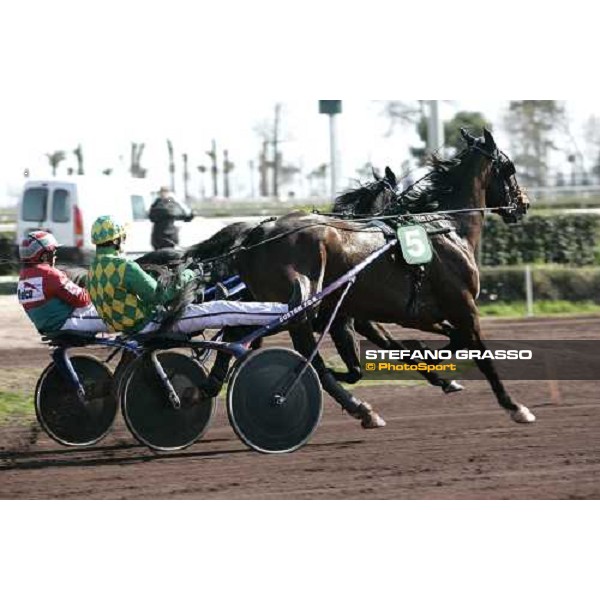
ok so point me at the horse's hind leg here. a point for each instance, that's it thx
(381, 337)
(343, 336)
(311, 274)
(304, 342)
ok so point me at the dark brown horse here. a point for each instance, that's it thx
(371, 198)
(318, 250)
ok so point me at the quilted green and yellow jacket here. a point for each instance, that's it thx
(126, 297)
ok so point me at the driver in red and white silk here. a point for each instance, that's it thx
(50, 299)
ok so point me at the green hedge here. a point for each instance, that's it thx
(507, 284)
(561, 239)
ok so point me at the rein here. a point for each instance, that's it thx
(243, 248)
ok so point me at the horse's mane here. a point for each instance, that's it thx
(436, 191)
(361, 199)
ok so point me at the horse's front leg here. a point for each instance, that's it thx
(381, 337)
(471, 339)
(518, 412)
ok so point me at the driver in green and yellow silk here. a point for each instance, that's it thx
(127, 299)
(123, 294)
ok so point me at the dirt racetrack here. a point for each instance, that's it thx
(434, 446)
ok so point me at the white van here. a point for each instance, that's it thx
(67, 208)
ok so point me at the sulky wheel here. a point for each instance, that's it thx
(121, 371)
(263, 417)
(148, 412)
(69, 419)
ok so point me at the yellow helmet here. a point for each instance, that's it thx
(106, 229)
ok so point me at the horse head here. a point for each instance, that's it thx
(502, 189)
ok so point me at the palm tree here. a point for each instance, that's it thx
(55, 158)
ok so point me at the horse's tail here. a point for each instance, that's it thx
(186, 296)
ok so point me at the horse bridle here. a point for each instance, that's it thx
(503, 167)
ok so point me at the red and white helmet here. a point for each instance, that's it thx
(35, 245)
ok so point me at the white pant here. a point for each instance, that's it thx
(85, 319)
(223, 313)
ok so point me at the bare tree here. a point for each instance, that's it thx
(533, 125)
(212, 153)
(270, 133)
(276, 154)
(591, 132)
(135, 168)
(319, 174)
(591, 137)
(78, 152)
(403, 113)
(252, 186)
(202, 170)
(228, 166)
(264, 169)
(171, 164)
(288, 172)
(186, 175)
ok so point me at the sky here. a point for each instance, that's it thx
(105, 131)
(114, 72)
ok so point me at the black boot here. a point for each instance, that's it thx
(221, 292)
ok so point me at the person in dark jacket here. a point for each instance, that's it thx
(163, 213)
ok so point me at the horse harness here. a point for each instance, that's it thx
(434, 224)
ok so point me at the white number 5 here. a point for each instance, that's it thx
(414, 243)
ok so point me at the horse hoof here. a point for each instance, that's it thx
(369, 419)
(452, 386)
(522, 415)
(372, 421)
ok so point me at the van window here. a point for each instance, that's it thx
(138, 208)
(61, 206)
(35, 201)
